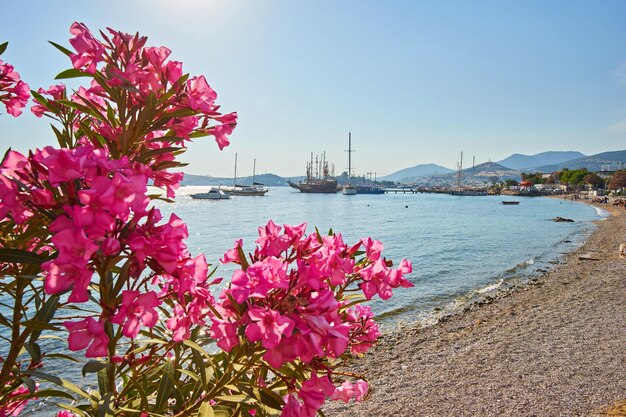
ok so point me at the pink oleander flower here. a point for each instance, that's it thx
(14, 93)
(348, 391)
(65, 413)
(118, 195)
(363, 329)
(313, 393)
(268, 326)
(57, 92)
(201, 96)
(232, 255)
(63, 276)
(136, 309)
(62, 164)
(180, 324)
(88, 332)
(13, 407)
(89, 50)
(225, 333)
(270, 241)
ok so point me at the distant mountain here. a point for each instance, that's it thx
(270, 180)
(614, 159)
(410, 174)
(528, 162)
(477, 176)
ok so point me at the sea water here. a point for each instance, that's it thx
(460, 246)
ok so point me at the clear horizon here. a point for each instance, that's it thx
(415, 82)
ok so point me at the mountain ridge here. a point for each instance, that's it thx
(420, 170)
(526, 162)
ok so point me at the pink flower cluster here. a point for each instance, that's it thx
(14, 93)
(290, 298)
(14, 403)
(90, 195)
(100, 207)
(146, 75)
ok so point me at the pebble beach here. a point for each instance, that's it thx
(555, 347)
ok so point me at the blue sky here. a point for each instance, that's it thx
(415, 82)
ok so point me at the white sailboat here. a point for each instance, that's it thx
(349, 189)
(247, 190)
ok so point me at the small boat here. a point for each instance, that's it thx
(212, 194)
(349, 189)
(369, 189)
(510, 203)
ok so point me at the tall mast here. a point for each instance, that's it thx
(349, 157)
(253, 170)
(235, 177)
(458, 174)
(473, 163)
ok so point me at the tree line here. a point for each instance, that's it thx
(577, 178)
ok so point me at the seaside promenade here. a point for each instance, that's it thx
(556, 347)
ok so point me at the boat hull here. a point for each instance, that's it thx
(369, 190)
(349, 190)
(320, 187)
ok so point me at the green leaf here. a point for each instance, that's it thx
(206, 410)
(74, 410)
(155, 152)
(60, 356)
(232, 398)
(92, 367)
(38, 325)
(3, 47)
(44, 315)
(20, 256)
(60, 382)
(30, 384)
(271, 399)
(71, 73)
(105, 406)
(165, 386)
(103, 381)
(54, 393)
(33, 350)
(61, 48)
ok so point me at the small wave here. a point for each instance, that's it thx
(601, 212)
(490, 288)
(520, 266)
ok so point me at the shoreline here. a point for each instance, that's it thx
(554, 346)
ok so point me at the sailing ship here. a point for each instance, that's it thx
(319, 181)
(256, 189)
(349, 189)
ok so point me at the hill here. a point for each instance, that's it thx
(527, 162)
(477, 176)
(271, 180)
(614, 159)
(410, 174)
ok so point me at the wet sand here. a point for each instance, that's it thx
(556, 347)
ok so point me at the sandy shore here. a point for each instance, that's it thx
(555, 348)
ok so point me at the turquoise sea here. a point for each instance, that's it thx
(458, 244)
